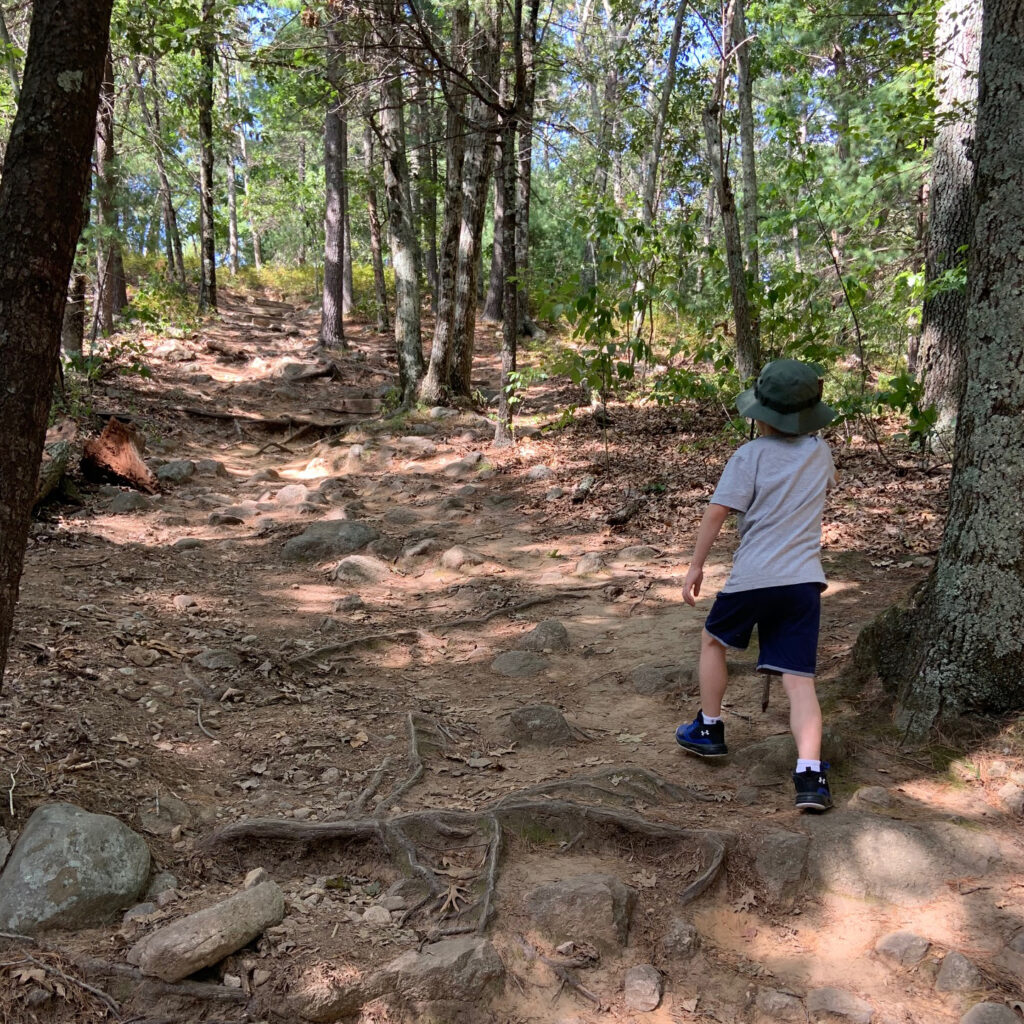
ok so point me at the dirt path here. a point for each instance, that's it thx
(180, 667)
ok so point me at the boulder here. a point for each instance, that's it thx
(824, 1001)
(360, 569)
(326, 996)
(331, 538)
(588, 908)
(519, 664)
(990, 1013)
(540, 725)
(291, 494)
(129, 501)
(548, 635)
(176, 472)
(71, 869)
(1011, 798)
(463, 968)
(458, 557)
(904, 947)
(591, 562)
(643, 987)
(958, 974)
(780, 1006)
(207, 936)
(681, 940)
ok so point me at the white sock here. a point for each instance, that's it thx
(708, 720)
(802, 764)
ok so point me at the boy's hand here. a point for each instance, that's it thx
(691, 585)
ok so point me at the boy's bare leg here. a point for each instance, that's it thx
(713, 674)
(804, 714)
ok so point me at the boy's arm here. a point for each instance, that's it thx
(710, 527)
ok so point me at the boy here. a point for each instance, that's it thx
(777, 484)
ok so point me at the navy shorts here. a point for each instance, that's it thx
(787, 620)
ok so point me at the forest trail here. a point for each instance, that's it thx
(186, 662)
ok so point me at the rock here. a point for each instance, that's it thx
(360, 569)
(323, 998)
(649, 680)
(540, 473)
(419, 447)
(548, 635)
(349, 603)
(394, 903)
(681, 940)
(1011, 797)
(331, 538)
(419, 549)
(958, 974)
(176, 472)
(234, 515)
(990, 1013)
(780, 863)
(643, 987)
(519, 664)
(842, 1004)
(256, 877)
(144, 657)
(871, 798)
(187, 544)
(904, 947)
(387, 548)
(71, 869)
(377, 915)
(975, 852)
(207, 936)
(160, 818)
(463, 467)
(540, 725)
(291, 494)
(182, 602)
(139, 910)
(554, 493)
(211, 467)
(769, 759)
(442, 412)
(231, 981)
(401, 516)
(464, 968)
(591, 562)
(780, 1006)
(265, 474)
(129, 501)
(217, 659)
(458, 557)
(162, 881)
(638, 554)
(260, 977)
(588, 908)
(1016, 944)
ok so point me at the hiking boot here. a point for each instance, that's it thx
(812, 792)
(706, 739)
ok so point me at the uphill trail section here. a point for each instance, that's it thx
(430, 688)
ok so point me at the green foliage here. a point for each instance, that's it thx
(159, 305)
(905, 394)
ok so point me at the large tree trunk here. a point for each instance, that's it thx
(301, 174)
(958, 649)
(347, 287)
(405, 254)
(748, 155)
(207, 243)
(427, 184)
(46, 170)
(944, 317)
(332, 321)
(510, 317)
(524, 177)
(232, 213)
(432, 389)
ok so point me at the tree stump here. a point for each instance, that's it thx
(116, 457)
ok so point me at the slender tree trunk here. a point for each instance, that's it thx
(254, 230)
(175, 260)
(12, 65)
(944, 317)
(475, 175)
(524, 177)
(332, 310)
(427, 185)
(405, 255)
(380, 291)
(301, 171)
(432, 389)
(208, 250)
(347, 291)
(957, 649)
(232, 214)
(748, 344)
(46, 173)
(106, 218)
(745, 102)
(510, 314)
(493, 303)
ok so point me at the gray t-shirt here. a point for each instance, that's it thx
(778, 486)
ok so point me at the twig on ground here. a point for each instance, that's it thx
(415, 760)
(324, 652)
(199, 720)
(114, 1008)
(304, 429)
(490, 882)
(357, 806)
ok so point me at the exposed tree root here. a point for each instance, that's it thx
(561, 971)
(93, 968)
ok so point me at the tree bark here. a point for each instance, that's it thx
(526, 104)
(46, 171)
(432, 389)
(426, 186)
(207, 244)
(493, 303)
(254, 231)
(106, 217)
(405, 254)
(944, 316)
(748, 344)
(347, 288)
(380, 291)
(510, 318)
(957, 649)
(332, 321)
(301, 174)
(175, 259)
(12, 66)
(748, 154)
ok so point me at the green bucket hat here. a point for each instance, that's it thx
(787, 396)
